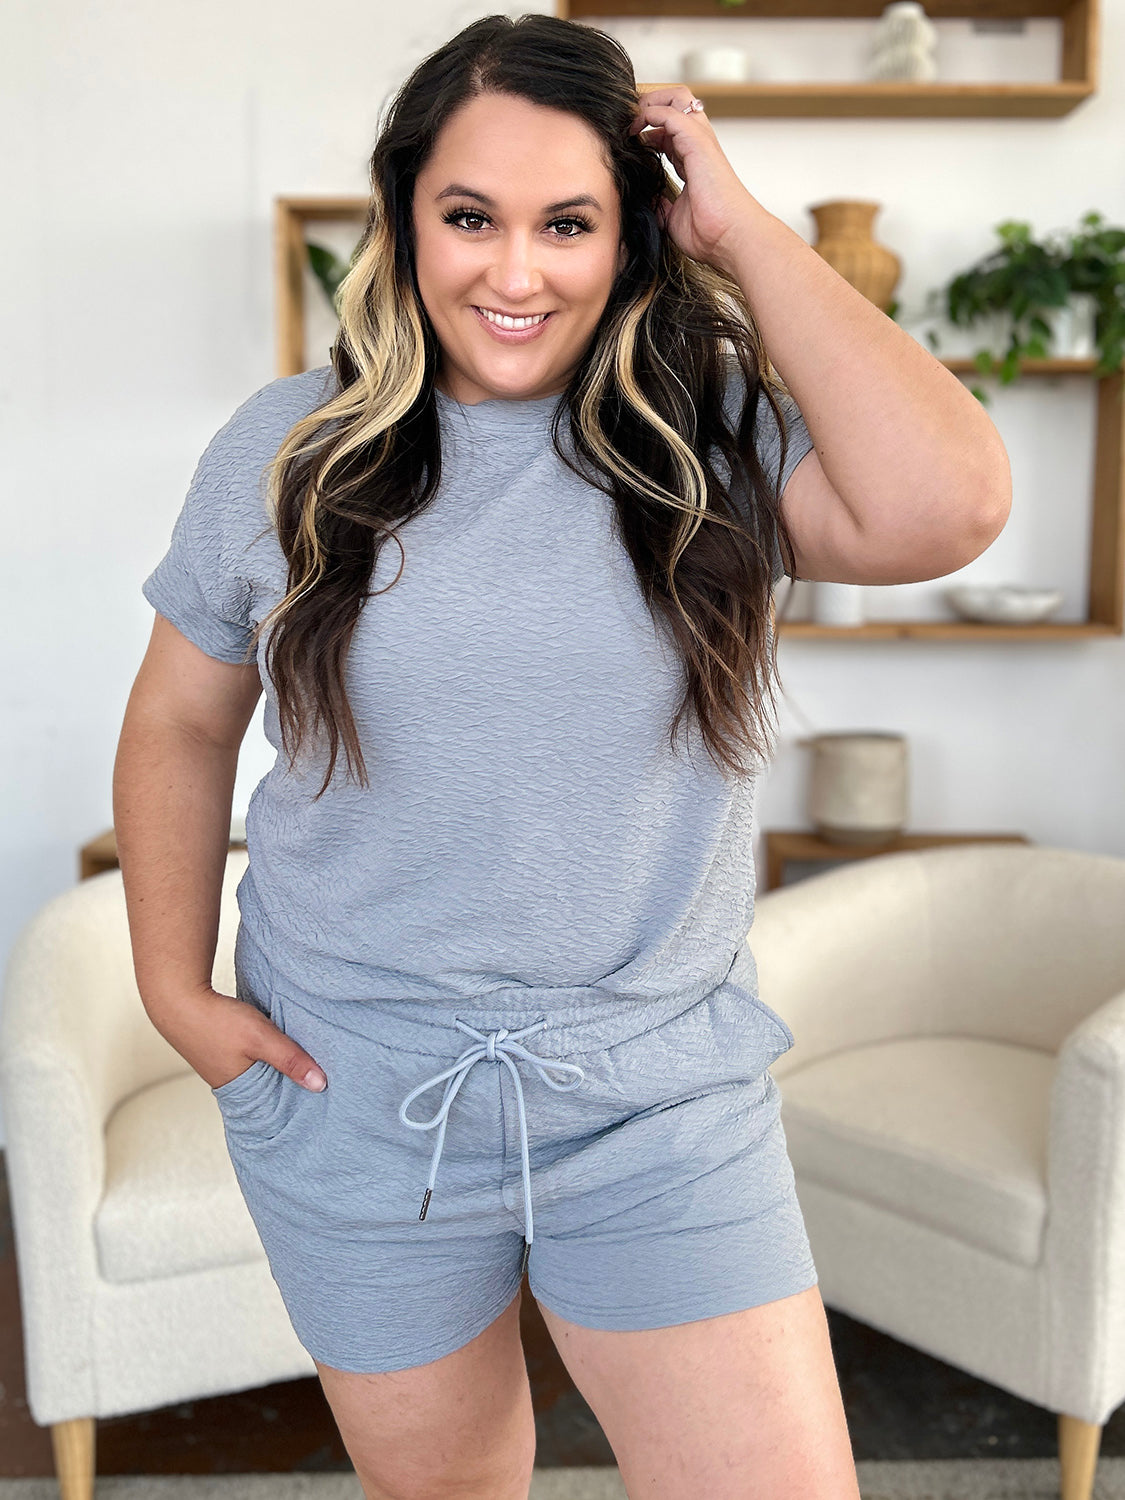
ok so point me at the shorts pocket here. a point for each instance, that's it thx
(259, 1104)
(241, 1083)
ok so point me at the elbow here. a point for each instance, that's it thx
(976, 534)
(988, 505)
(996, 487)
(992, 517)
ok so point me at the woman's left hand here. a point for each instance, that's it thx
(713, 200)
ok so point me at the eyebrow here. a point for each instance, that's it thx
(456, 190)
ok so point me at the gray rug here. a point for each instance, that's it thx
(950, 1479)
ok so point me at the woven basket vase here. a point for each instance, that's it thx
(845, 240)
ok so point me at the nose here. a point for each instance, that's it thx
(515, 276)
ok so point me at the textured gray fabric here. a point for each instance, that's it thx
(527, 823)
(630, 1156)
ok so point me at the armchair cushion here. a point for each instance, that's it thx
(949, 1130)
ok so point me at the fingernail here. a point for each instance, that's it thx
(315, 1079)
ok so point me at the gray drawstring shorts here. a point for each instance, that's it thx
(645, 1135)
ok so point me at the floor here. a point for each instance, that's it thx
(900, 1404)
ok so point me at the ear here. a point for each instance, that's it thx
(622, 257)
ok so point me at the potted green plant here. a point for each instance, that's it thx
(1026, 286)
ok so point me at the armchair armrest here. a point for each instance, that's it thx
(56, 1167)
(1084, 1245)
(75, 1041)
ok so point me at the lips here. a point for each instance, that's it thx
(500, 313)
(512, 335)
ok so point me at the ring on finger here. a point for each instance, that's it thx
(696, 104)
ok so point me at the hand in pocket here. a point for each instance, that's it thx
(221, 1036)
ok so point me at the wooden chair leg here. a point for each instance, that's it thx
(73, 1443)
(1078, 1457)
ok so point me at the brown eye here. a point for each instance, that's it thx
(461, 213)
(454, 215)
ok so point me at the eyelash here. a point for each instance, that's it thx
(585, 224)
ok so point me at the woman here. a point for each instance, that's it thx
(515, 562)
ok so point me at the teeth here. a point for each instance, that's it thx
(511, 322)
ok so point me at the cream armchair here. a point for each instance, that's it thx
(954, 1106)
(142, 1277)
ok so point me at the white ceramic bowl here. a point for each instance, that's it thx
(1003, 603)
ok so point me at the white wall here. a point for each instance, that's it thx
(137, 313)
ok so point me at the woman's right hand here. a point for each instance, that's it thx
(221, 1036)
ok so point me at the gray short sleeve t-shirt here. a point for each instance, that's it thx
(527, 823)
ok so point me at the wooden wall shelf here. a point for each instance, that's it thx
(868, 101)
(1078, 67)
(1105, 602)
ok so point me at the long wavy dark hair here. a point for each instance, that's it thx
(645, 407)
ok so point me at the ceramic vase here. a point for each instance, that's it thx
(903, 44)
(858, 786)
(1073, 327)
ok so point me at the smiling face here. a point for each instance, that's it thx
(515, 213)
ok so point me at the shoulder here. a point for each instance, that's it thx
(268, 413)
(238, 452)
(297, 394)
